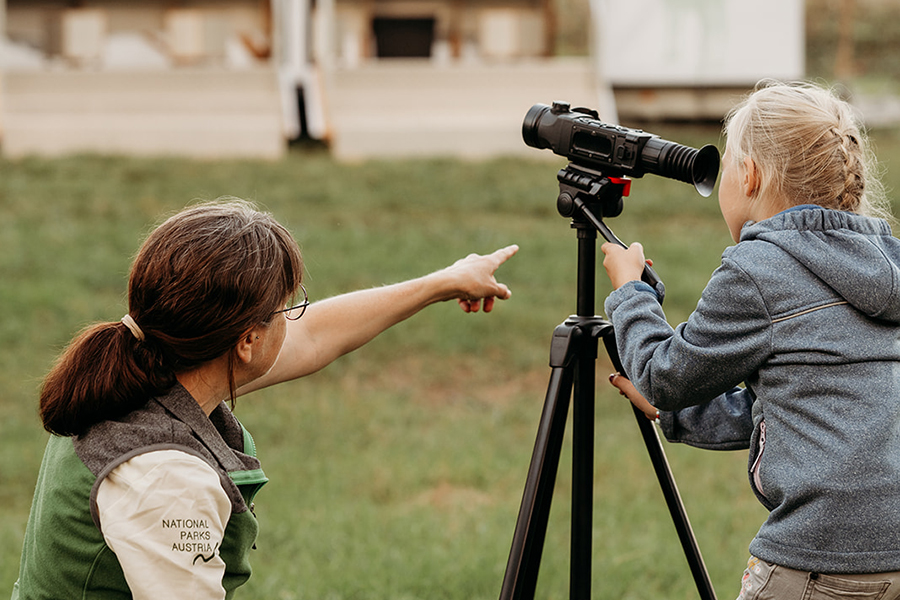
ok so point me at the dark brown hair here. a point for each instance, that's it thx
(200, 281)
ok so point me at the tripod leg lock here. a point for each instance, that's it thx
(568, 338)
(564, 345)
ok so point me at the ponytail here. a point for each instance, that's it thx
(201, 280)
(104, 373)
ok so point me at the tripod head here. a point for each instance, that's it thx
(592, 187)
(584, 194)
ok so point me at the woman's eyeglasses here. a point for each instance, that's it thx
(296, 311)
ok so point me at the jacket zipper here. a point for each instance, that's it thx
(757, 463)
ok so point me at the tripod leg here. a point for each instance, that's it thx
(522, 568)
(582, 474)
(669, 488)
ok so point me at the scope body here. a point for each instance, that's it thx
(615, 150)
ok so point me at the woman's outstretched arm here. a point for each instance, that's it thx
(333, 327)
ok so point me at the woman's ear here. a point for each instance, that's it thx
(751, 177)
(246, 345)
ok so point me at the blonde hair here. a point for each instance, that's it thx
(808, 148)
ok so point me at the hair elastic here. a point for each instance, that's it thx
(132, 326)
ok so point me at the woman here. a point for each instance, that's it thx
(146, 489)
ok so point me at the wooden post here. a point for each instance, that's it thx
(843, 62)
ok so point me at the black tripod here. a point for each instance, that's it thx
(573, 353)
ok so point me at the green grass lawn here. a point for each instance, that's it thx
(397, 472)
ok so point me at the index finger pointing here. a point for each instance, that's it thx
(504, 254)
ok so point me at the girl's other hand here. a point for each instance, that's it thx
(627, 389)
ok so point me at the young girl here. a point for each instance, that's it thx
(804, 310)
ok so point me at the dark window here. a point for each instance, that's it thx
(396, 38)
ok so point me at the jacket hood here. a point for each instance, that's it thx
(856, 256)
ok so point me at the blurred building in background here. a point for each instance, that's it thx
(140, 77)
(690, 59)
(386, 78)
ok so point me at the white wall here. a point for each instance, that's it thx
(699, 42)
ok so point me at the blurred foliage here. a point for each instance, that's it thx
(874, 35)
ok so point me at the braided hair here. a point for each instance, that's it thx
(808, 147)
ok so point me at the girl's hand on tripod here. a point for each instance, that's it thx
(627, 389)
(624, 264)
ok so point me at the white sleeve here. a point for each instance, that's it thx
(164, 514)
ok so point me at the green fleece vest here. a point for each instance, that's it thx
(65, 555)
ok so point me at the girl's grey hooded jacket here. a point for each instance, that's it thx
(804, 311)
